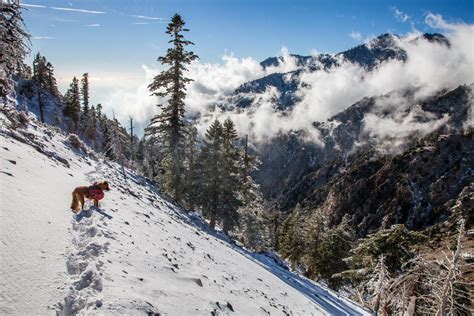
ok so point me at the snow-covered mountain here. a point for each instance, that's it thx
(137, 254)
(369, 55)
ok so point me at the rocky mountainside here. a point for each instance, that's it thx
(289, 163)
(419, 187)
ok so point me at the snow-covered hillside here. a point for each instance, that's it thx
(137, 254)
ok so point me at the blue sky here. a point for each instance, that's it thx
(116, 37)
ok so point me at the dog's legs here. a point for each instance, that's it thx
(74, 203)
(73, 206)
(96, 203)
(81, 199)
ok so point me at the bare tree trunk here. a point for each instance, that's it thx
(212, 222)
(411, 307)
(41, 105)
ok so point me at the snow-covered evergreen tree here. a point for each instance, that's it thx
(334, 247)
(85, 93)
(91, 125)
(253, 226)
(210, 166)
(168, 127)
(291, 242)
(231, 177)
(394, 243)
(13, 44)
(51, 80)
(315, 229)
(72, 108)
(40, 78)
(192, 175)
(85, 121)
(107, 138)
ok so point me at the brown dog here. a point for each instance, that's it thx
(80, 194)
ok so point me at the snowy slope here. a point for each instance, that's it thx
(137, 254)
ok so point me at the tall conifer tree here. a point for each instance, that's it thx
(231, 182)
(73, 104)
(85, 93)
(40, 76)
(211, 173)
(168, 127)
(14, 44)
(51, 80)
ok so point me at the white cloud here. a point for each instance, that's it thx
(32, 5)
(399, 15)
(148, 17)
(62, 9)
(78, 10)
(436, 21)
(42, 37)
(92, 25)
(390, 133)
(355, 35)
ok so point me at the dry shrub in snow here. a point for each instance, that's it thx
(23, 119)
(75, 141)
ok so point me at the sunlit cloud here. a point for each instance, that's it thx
(92, 25)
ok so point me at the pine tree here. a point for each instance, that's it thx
(99, 112)
(315, 229)
(334, 247)
(394, 243)
(85, 93)
(85, 115)
(290, 239)
(107, 139)
(91, 125)
(72, 108)
(254, 227)
(119, 142)
(14, 44)
(51, 80)
(168, 127)
(192, 175)
(144, 156)
(40, 77)
(232, 176)
(133, 140)
(211, 171)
